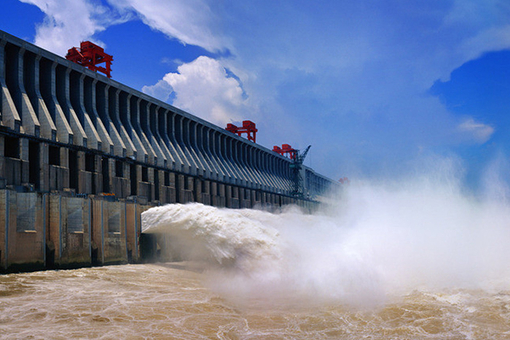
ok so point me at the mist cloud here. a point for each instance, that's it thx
(375, 241)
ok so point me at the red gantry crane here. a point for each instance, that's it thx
(90, 55)
(286, 150)
(248, 127)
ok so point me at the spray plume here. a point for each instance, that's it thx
(376, 241)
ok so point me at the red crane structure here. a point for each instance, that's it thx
(286, 149)
(248, 127)
(90, 55)
(344, 180)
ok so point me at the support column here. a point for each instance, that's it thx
(28, 117)
(10, 116)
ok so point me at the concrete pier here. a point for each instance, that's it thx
(82, 156)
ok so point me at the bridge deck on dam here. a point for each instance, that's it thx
(77, 148)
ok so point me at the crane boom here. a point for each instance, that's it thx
(296, 167)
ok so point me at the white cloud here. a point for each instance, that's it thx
(161, 90)
(67, 23)
(477, 131)
(189, 21)
(204, 88)
(336, 73)
(491, 39)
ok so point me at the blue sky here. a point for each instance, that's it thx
(374, 87)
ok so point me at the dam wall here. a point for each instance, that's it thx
(82, 156)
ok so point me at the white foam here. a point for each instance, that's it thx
(206, 233)
(376, 240)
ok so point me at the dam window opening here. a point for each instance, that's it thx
(105, 170)
(145, 174)
(11, 147)
(194, 193)
(54, 155)
(204, 187)
(178, 195)
(133, 179)
(167, 179)
(156, 185)
(90, 162)
(119, 168)
(34, 170)
(73, 170)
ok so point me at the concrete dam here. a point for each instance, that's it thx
(82, 156)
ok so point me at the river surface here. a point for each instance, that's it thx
(418, 261)
(168, 301)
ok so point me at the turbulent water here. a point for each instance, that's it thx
(415, 260)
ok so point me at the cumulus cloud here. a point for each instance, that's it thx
(477, 131)
(68, 22)
(161, 90)
(204, 88)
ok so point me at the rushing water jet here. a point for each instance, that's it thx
(377, 242)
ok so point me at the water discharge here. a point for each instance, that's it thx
(417, 259)
(376, 242)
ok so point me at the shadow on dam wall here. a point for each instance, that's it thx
(149, 251)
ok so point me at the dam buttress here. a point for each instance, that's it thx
(82, 156)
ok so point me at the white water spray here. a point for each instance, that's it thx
(376, 241)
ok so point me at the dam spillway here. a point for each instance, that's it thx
(82, 156)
